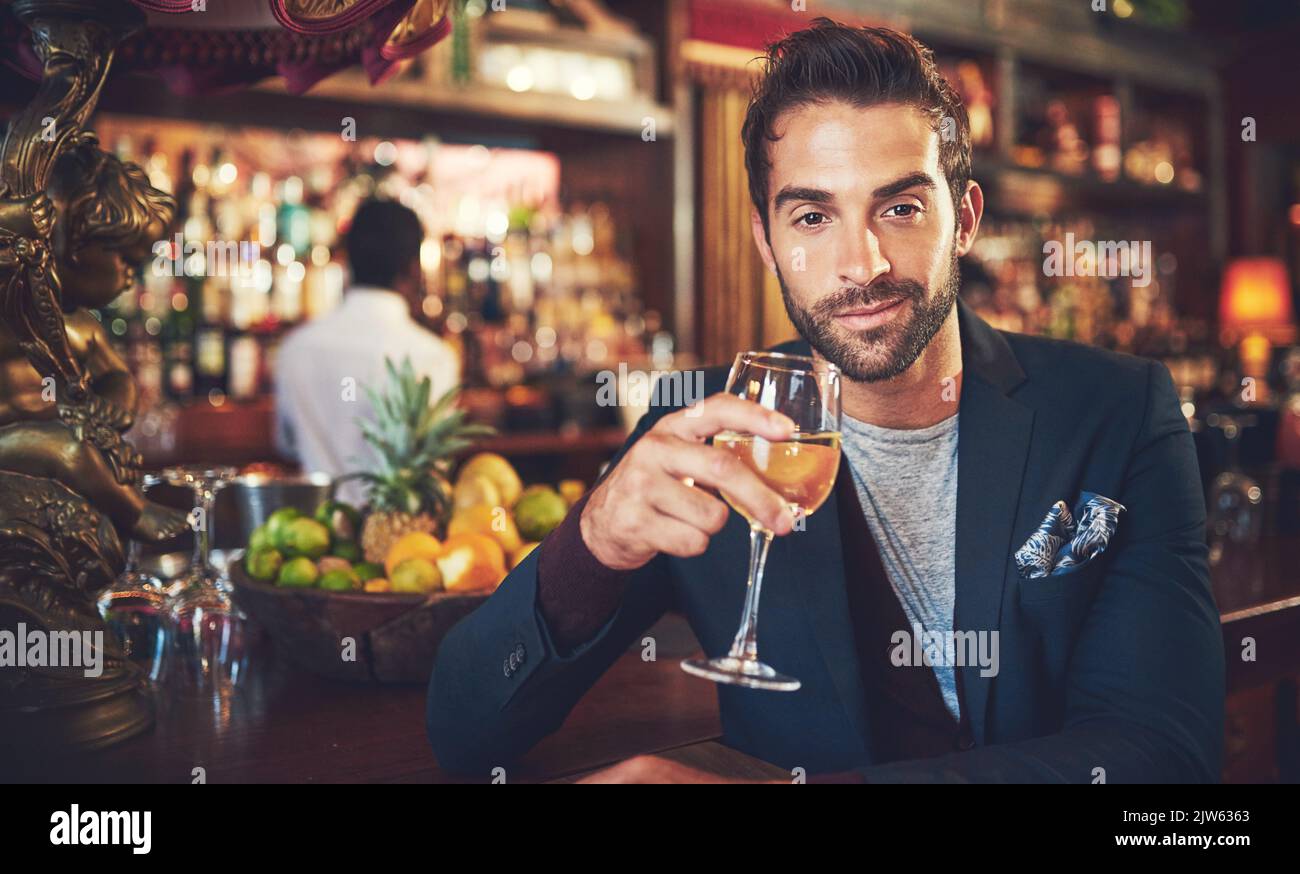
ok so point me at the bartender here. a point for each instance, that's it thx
(324, 365)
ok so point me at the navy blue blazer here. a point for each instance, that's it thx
(1116, 664)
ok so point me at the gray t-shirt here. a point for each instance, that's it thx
(907, 485)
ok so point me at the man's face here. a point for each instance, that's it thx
(864, 236)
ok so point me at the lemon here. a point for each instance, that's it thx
(499, 471)
(490, 521)
(571, 490)
(413, 544)
(416, 575)
(471, 491)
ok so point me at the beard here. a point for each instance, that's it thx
(885, 351)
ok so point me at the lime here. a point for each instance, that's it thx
(343, 520)
(298, 573)
(276, 524)
(347, 549)
(368, 570)
(259, 539)
(339, 581)
(416, 575)
(539, 510)
(306, 537)
(263, 564)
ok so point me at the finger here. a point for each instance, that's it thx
(724, 412)
(675, 537)
(716, 467)
(693, 506)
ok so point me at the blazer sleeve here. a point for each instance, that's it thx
(1145, 696)
(481, 712)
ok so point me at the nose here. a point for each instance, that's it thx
(860, 258)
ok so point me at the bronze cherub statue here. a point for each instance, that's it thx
(107, 217)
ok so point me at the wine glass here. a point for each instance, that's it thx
(1235, 511)
(801, 469)
(208, 627)
(135, 608)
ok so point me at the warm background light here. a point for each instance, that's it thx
(1256, 296)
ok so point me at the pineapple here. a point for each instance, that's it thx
(414, 442)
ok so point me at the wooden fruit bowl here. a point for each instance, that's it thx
(397, 635)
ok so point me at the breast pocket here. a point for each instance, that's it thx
(1071, 585)
(1054, 608)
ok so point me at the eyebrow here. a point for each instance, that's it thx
(811, 195)
(898, 186)
(820, 195)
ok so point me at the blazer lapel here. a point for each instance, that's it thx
(821, 579)
(992, 448)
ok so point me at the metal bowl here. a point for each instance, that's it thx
(258, 495)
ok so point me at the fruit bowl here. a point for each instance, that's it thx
(367, 593)
(396, 634)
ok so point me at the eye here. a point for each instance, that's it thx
(912, 207)
(811, 219)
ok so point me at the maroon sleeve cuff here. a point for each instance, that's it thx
(838, 777)
(576, 594)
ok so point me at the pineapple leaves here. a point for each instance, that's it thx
(414, 438)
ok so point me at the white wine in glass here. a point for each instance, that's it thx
(801, 469)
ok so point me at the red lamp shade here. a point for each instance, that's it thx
(1256, 297)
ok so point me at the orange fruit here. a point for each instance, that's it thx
(471, 562)
(413, 544)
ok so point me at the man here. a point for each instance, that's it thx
(323, 366)
(1110, 670)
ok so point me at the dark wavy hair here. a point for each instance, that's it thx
(861, 66)
(382, 242)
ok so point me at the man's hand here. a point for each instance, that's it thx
(652, 769)
(645, 507)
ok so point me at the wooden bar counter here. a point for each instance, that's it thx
(287, 725)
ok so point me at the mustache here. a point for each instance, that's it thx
(869, 295)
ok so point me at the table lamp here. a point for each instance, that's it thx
(1255, 313)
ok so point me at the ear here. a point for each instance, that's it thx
(760, 240)
(413, 274)
(969, 213)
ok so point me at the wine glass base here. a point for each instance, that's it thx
(750, 673)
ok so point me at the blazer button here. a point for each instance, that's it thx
(512, 661)
(505, 664)
(520, 653)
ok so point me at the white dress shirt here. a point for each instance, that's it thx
(322, 370)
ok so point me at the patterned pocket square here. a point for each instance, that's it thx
(1060, 542)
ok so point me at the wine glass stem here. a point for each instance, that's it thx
(132, 556)
(201, 533)
(745, 646)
